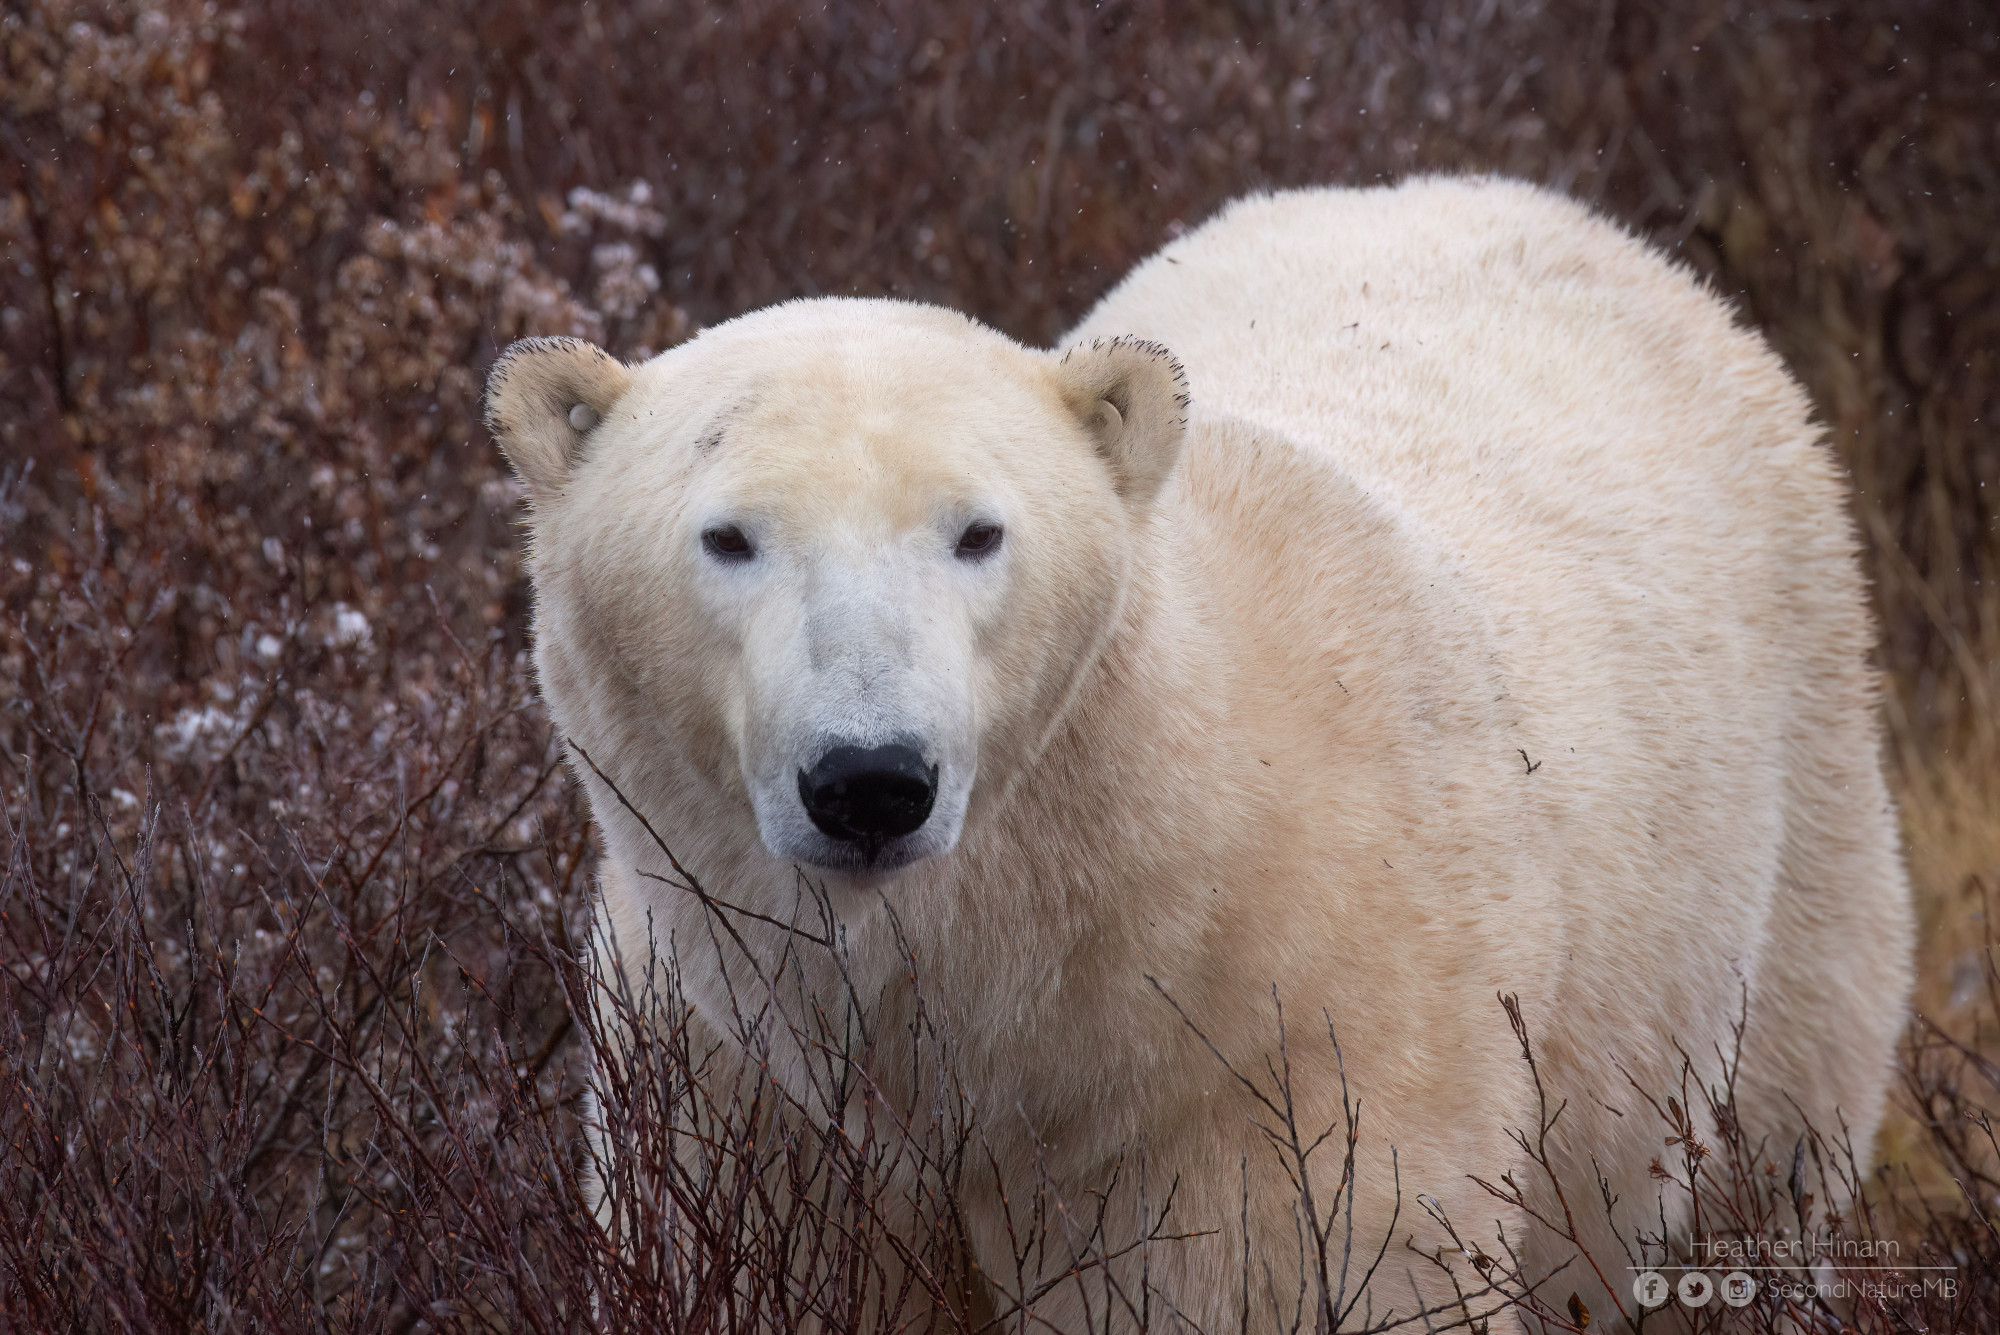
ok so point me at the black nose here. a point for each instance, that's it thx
(869, 795)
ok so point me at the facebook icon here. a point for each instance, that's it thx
(1650, 1288)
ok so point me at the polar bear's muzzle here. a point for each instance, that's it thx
(867, 796)
(859, 741)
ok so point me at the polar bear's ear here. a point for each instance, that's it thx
(1132, 398)
(543, 396)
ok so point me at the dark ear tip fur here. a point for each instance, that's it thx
(504, 366)
(1150, 348)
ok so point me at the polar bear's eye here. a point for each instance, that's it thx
(726, 542)
(978, 540)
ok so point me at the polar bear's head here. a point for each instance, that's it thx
(838, 565)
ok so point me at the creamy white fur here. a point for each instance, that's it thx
(1494, 625)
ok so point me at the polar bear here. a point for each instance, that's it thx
(1387, 600)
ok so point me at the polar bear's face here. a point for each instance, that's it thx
(840, 564)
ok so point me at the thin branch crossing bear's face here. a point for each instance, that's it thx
(842, 562)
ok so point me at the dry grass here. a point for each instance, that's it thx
(289, 1033)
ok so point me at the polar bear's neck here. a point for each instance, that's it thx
(1148, 781)
(1130, 776)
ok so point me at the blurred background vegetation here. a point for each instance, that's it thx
(256, 260)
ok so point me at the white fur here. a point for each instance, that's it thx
(1493, 626)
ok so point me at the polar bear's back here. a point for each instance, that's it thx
(1625, 495)
(1624, 483)
(1498, 364)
